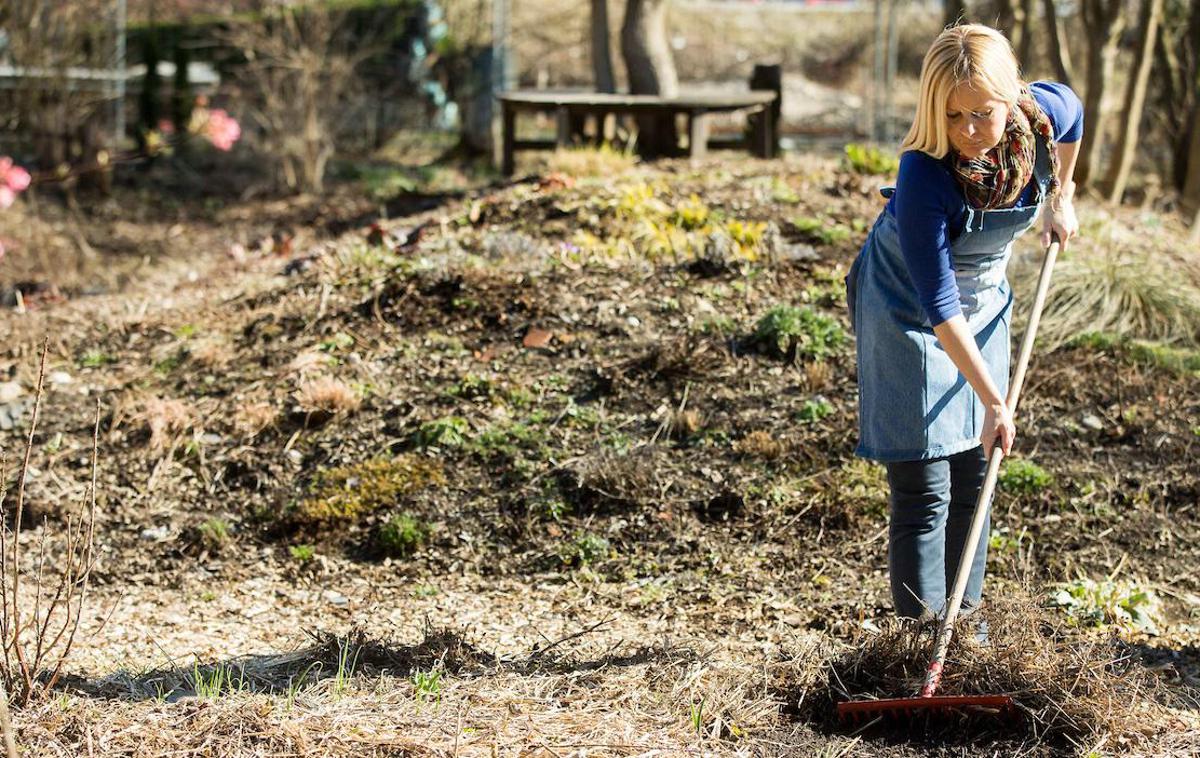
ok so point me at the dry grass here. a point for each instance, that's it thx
(683, 424)
(606, 481)
(1125, 282)
(327, 395)
(212, 352)
(1074, 691)
(603, 162)
(760, 444)
(165, 419)
(251, 418)
(562, 699)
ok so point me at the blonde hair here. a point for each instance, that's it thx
(971, 54)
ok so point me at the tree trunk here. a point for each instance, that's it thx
(651, 70)
(1170, 108)
(1024, 47)
(955, 13)
(1060, 53)
(1007, 16)
(1104, 21)
(1191, 178)
(602, 67)
(1135, 100)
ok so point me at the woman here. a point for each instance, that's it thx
(930, 302)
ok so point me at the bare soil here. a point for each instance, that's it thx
(644, 532)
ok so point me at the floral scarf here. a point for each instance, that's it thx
(998, 177)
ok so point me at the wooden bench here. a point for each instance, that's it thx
(572, 107)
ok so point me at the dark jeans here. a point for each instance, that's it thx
(931, 506)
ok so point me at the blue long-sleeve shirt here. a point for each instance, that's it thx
(930, 209)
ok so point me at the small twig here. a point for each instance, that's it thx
(539, 653)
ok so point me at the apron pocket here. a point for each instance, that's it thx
(851, 282)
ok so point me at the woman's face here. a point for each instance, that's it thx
(975, 120)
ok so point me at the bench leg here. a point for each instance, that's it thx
(698, 130)
(508, 149)
(562, 118)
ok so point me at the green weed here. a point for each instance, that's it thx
(348, 654)
(302, 553)
(448, 432)
(696, 716)
(1001, 541)
(401, 536)
(824, 231)
(720, 326)
(212, 682)
(170, 363)
(427, 685)
(801, 332)
(1144, 352)
(1126, 606)
(814, 410)
(864, 159)
(691, 214)
(585, 549)
(95, 359)
(472, 386)
(339, 341)
(214, 534)
(383, 182)
(1022, 477)
(509, 439)
(782, 192)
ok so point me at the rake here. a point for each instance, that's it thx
(926, 702)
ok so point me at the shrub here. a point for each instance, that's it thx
(801, 332)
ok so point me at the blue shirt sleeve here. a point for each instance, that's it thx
(925, 200)
(1063, 108)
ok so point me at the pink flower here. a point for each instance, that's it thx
(13, 179)
(221, 129)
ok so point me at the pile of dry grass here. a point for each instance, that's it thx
(1075, 691)
(606, 481)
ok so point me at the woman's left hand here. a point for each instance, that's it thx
(1060, 221)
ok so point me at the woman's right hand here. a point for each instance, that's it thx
(997, 427)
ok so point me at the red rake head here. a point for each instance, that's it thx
(940, 705)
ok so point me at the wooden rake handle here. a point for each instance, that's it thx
(933, 675)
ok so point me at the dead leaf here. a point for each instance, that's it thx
(537, 337)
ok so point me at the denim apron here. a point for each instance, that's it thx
(913, 402)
